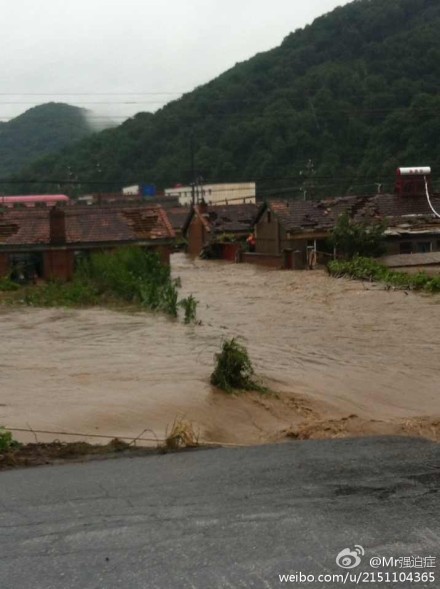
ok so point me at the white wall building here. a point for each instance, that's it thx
(234, 193)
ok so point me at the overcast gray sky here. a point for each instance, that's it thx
(101, 54)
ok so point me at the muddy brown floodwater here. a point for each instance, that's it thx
(346, 359)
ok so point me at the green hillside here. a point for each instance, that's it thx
(334, 109)
(39, 131)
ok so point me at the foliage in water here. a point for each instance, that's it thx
(234, 370)
(127, 275)
(189, 306)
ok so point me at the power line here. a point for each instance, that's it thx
(352, 112)
(129, 182)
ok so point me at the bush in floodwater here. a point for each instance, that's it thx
(189, 306)
(234, 370)
(124, 272)
(132, 275)
(128, 275)
(53, 294)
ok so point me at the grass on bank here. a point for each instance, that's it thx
(234, 371)
(368, 269)
(128, 276)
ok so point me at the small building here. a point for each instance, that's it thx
(45, 241)
(212, 194)
(220, 229)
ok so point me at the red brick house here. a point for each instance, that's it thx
(47, 240)
(219, 227)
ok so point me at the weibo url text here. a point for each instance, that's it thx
(360, 577)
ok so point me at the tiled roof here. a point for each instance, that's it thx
(86, 224)
(177, 217)
(24, 226)
(309, 215)
(237, 218)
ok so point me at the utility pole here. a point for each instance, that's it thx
(193, 168)
(200, 193)
(308, 174)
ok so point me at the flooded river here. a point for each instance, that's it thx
(337, 352)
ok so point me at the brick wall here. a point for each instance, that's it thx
(272, 261)
(58, 265)
(229, 251)
(267, 233)
(164, 252)
(4, 265)
(196, 236)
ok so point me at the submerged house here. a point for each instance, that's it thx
(45, 240)
(295, 234)
(219, 228)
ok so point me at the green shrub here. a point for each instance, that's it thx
(355, 239)
(128, 275)
(6, 441)
(226, 238)
(75, 293)
(189, 306)
(234, 370)
(6, 284)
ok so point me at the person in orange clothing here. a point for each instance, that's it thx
(251, 241)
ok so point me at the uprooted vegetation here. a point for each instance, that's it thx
(234, 371)
(368, 269)
(126, 276)
(182, 435)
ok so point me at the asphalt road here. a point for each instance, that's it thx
(226, 518)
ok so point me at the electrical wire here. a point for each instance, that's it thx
(429, 199)
(221, 115)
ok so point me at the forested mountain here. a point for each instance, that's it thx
(334, 109)
(40, 130)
